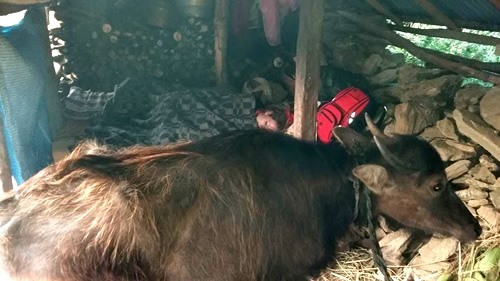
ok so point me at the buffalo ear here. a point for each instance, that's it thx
(351, 140)
(374, 177)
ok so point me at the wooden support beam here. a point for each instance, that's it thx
(220, 49)
(385, 11)
(308, 69)
(451, 34)
(437, 14)
(5, 171)
(488, 66)
(421, 53)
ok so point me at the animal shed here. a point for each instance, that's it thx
(104, 43)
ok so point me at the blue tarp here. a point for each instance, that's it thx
(23, 78)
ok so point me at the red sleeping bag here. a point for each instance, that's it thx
(340, 111)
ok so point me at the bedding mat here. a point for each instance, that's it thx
(171, 116)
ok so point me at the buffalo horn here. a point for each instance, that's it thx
(380, 140)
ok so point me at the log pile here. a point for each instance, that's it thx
(100, 45)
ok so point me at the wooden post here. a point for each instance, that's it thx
(5, 172)
(308, 69)
(221, 31)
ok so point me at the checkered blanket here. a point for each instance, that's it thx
(186, 114)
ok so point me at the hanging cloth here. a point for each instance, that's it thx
(273, 12)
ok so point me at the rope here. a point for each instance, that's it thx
(378, 258)
(376, 252)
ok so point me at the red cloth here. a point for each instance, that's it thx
(341, 111)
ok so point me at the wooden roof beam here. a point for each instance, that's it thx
(452, 34)
(463, 23)
(385, 11)
(434, 12)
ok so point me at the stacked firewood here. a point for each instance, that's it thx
(100, 45)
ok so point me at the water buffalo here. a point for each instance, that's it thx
(248, 205)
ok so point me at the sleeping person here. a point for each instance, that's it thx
(186, 114)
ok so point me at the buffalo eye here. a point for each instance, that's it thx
(438, 187)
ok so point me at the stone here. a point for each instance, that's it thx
(491, 216)
(441, 89)
(495, 199)
(478, 202)
(462, 181)
(468, 149)
(388, 95)
(372, 64)
(413, 118)
(447, 128)
(496, 185)
(422, 270)
(471, 182)
(473, 108)
(471, 193)
(394, 244)
(348, 55)
(469, 95)
(449, 150)
(484, 175)
(472, 126)
(457, 169)
(432, 133)
(385, 77)
(489, 107)
(438, 249)
(392, 60)
(409, 75)
(487, 162)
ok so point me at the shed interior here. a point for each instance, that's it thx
(118, 54)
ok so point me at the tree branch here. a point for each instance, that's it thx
(451, 34)
(421, 52)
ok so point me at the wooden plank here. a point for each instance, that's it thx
(308, 69)
(221, 31)
(437, 14)
(5, 171)
(385, 11)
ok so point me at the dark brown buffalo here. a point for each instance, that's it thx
(241, 206)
